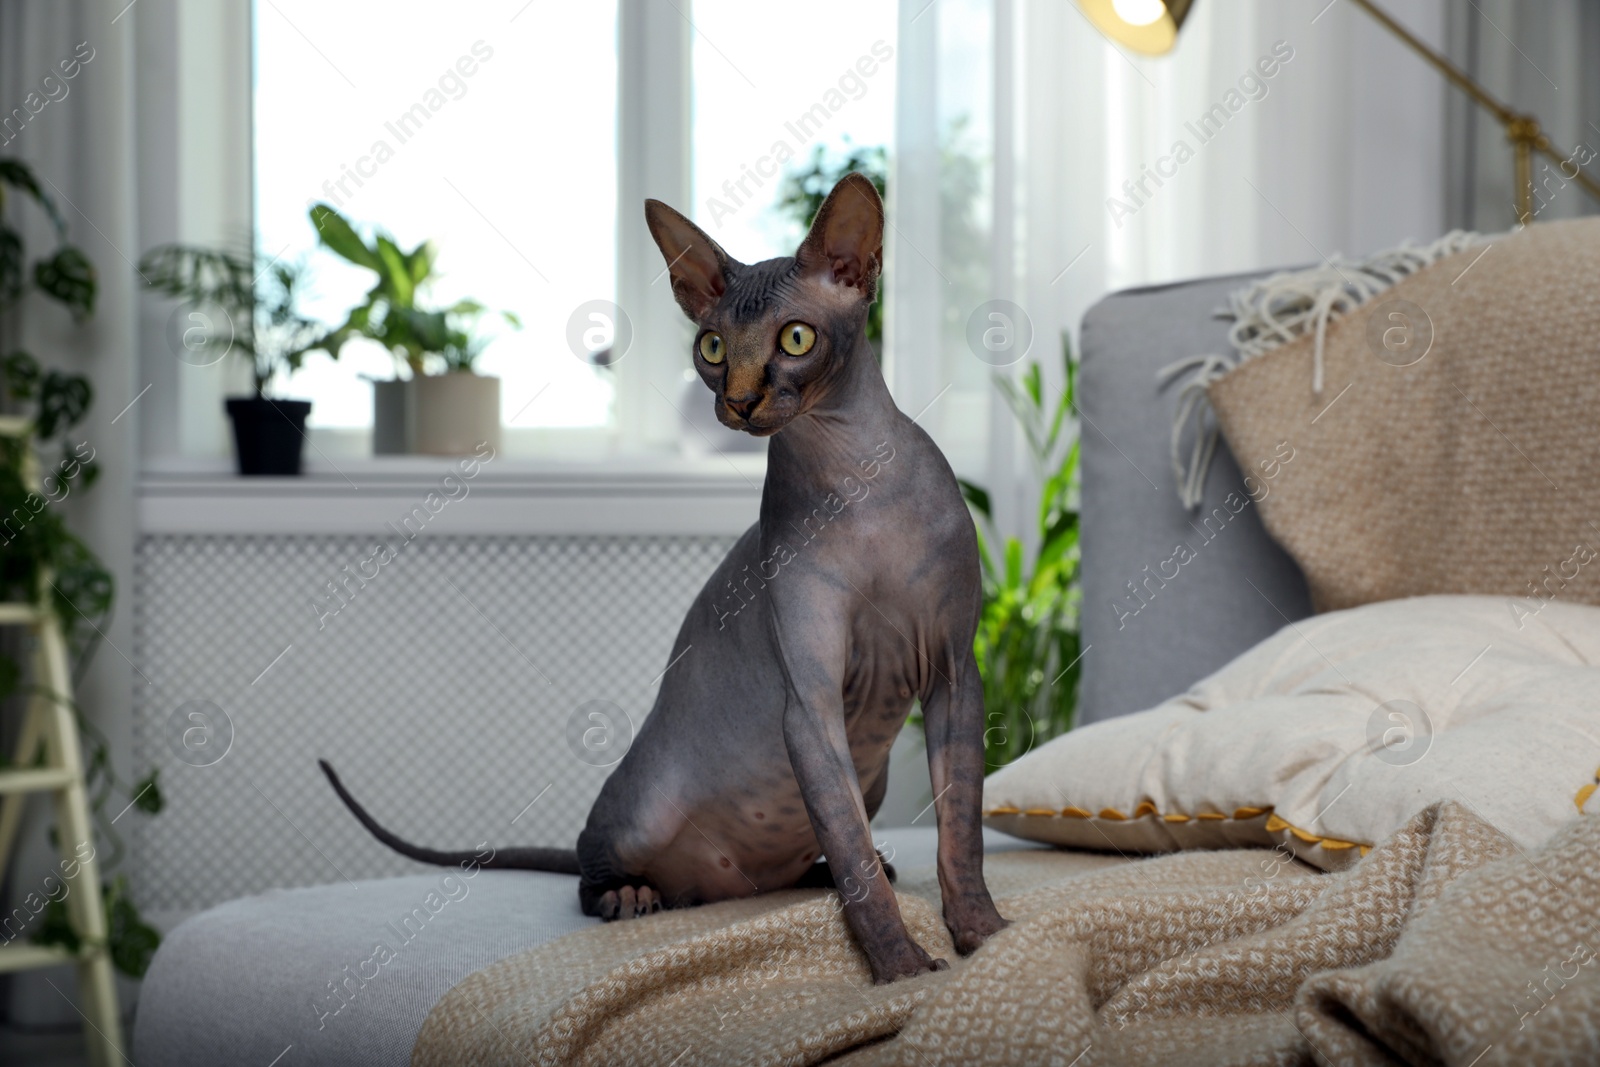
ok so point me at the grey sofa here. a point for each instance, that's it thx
(284, 978)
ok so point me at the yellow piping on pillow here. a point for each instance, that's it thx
(1274, 823)
(1587, 791)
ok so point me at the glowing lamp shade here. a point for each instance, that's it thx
(1146, 26)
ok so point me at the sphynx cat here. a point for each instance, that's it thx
(856, 593)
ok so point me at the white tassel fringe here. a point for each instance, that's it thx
(1271, 312)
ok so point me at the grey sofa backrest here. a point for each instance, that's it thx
(1157, 619)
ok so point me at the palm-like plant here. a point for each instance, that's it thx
(420, 338)
(1027, 644)
(260, 297)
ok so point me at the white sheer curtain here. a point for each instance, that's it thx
(82, 146)
(1340, 149)
(1536, 56)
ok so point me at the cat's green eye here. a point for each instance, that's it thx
(797, 338)
(711, 348)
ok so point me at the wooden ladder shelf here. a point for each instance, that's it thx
(49, 723)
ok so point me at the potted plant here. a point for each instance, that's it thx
(259, 304)
(443, 407)
(36, 541)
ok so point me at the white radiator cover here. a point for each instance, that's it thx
(441, 691)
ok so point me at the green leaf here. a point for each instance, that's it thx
(147, 795)
(420, 262)
(19, 175)
(21, 373)
(470, 308)
(396, 272)
(976, 497)
(1013, 563)
(336, 232)
(64, 400)
(10, 676)
(132, 941)
(12, 282)
(68, 277)
(429, 330)
(1033, 382)
(56, 929)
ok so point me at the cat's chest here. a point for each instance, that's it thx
(887, 667)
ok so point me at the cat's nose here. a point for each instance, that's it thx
(742, 406)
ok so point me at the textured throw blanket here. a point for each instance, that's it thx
(1440, 436)
(1446, 944)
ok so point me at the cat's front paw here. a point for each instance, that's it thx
(906, 960)
(973, 926)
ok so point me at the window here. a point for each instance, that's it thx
(491, 131)
(809, 77)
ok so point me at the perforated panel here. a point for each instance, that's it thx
(441, 690)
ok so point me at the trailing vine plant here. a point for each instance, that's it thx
(36, 544)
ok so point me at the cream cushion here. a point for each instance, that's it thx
(1328, 736)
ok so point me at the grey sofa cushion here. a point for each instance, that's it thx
(247, 980)
(1238, 588)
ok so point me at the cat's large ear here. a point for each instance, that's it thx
(845, 244)
(699, 267)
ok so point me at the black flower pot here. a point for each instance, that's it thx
(268, 435)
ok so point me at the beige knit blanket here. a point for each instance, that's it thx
(1454, 443)
(1444, 945)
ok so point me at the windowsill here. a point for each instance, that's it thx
(618, 497)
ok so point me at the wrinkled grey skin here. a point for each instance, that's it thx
(857, 591)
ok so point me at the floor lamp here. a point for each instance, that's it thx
(1151, 28)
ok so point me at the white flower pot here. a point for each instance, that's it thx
(452, 414)
(440, 415)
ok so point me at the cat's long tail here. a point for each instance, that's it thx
(557, 860)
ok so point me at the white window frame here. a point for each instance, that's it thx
(195, 83)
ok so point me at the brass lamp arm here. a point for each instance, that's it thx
(1522, 130)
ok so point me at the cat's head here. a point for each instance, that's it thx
(773, 336)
